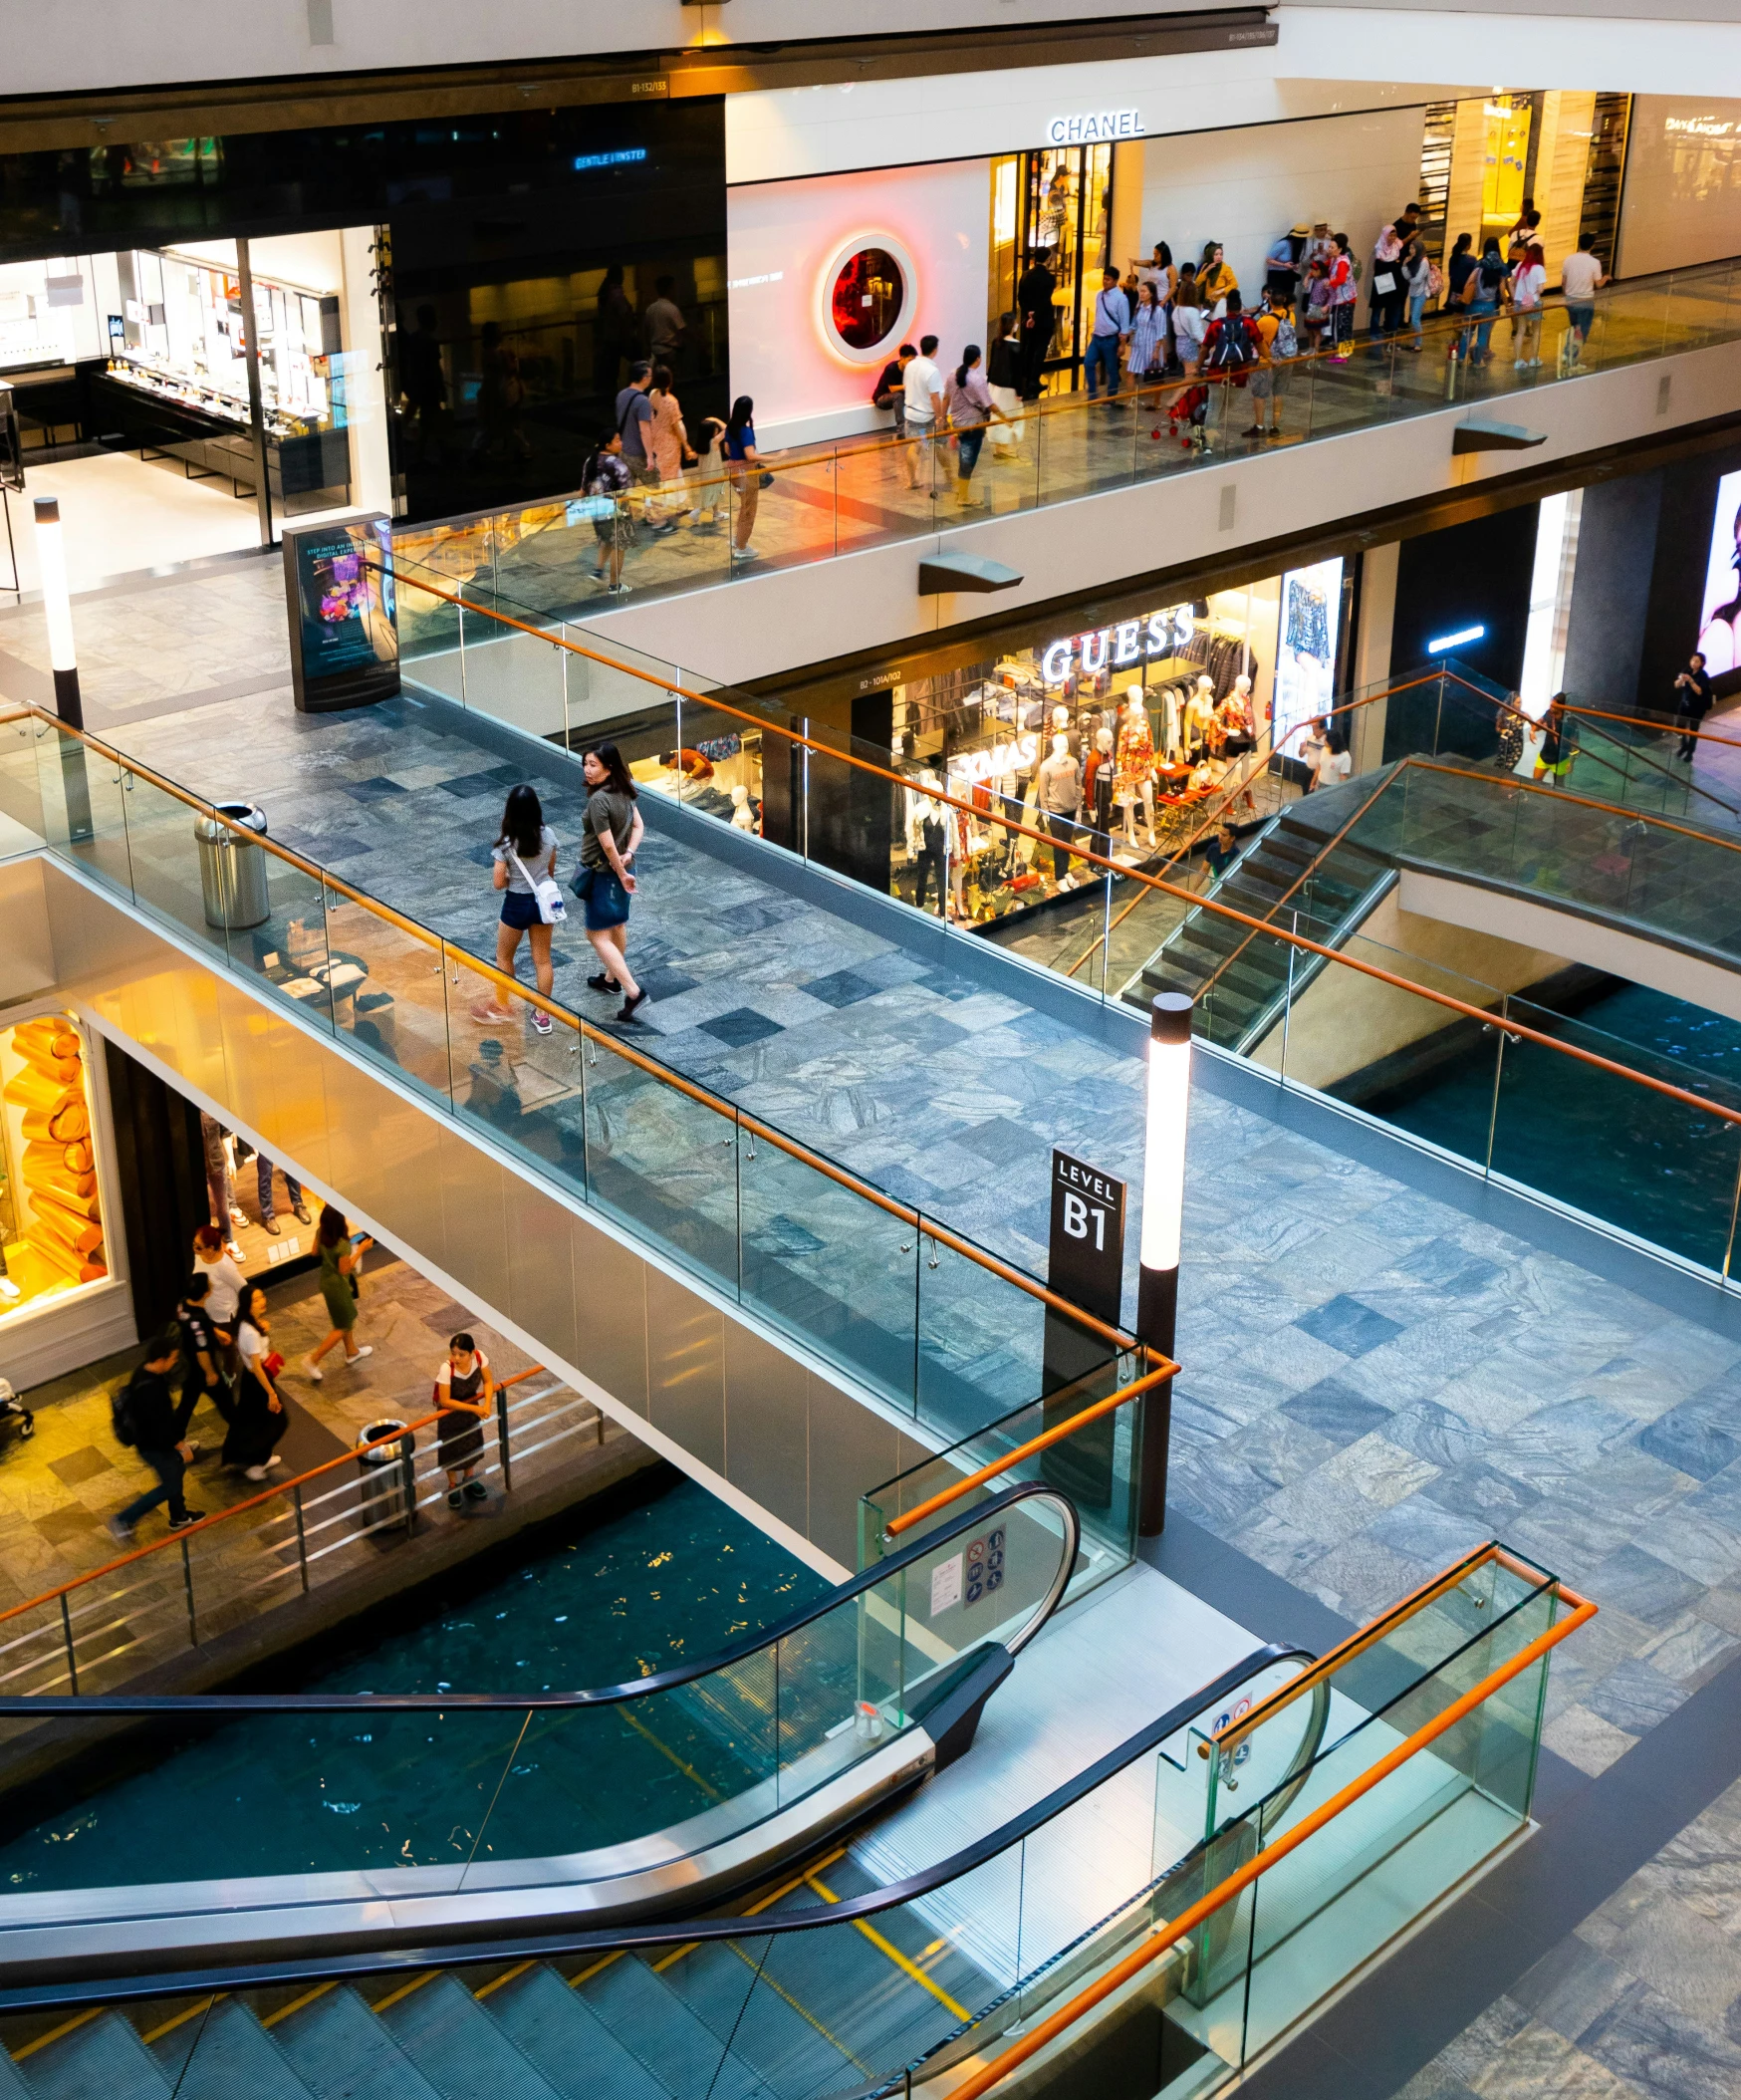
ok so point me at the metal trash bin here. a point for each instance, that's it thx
(383, 1497)
(232, 869)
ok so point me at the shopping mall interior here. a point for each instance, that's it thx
(1092, 1238)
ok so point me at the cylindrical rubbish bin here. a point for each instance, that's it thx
(232, 868)
(382, 1499)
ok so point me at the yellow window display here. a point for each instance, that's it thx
(50, 1217)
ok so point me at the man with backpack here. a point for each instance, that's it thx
(1230, 348)
(146, 1417)
(1277, 346)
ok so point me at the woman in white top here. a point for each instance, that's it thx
(1188, 324)
(260, 1417)
(524, 854)
(225, 1294)
(1526, 282)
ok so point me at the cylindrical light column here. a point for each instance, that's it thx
(57, 604)
(1164, 1202)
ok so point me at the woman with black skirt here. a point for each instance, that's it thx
(260, 1419)
(465, 1394)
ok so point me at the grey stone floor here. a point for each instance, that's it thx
(1374, 1379)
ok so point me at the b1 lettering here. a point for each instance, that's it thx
(1079, 1217)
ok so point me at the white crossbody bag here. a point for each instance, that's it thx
(546, 891)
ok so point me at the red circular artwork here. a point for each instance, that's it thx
(867, 298)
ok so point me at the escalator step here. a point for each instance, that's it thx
(651, 2021)
(555, 2028)
(227, 2054)
(12, 2085)
(789, 2048)
(462, 2052)
(342, 2051)
(103, 2057)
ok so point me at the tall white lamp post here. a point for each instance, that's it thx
(57, 604)
(1164, 1202)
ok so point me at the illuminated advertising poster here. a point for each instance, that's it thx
(1720, 621)
(343, 637)
(1311, 614)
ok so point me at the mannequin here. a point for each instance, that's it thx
(1135, 774)
(933, 859)
(1199, 713)
(1063, 725)
(1059, 799)
(743, 818)
(1098, 787)
(1242, 730)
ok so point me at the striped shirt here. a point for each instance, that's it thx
(1147, 338)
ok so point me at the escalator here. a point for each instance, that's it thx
(1363, 1786)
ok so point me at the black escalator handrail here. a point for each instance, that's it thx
(217, 1704)
(505, 1952)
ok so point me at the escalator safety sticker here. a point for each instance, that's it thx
(946, 1585)
(966, 1577)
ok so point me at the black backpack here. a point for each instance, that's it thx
(121, 1415)
(1232, 348)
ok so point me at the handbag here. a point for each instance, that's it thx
(1383, 284)
(546, 891)
(581, 885)
(765, 479)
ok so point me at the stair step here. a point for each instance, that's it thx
(228, 2054)
(459, 2049)
(651, 2020)
(341, 2050)
(103, 2057)
(555, 2028)
(788, 2047)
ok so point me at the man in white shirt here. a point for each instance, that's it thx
(924, 408)
(1111, 330)
(1581, 277)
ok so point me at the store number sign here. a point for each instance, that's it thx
(1087, 1257)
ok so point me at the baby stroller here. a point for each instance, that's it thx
(16, 1420)
(1187, 419)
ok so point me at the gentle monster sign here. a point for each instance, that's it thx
(1088, 131)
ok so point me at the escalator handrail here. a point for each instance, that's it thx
(193, 1705)
(507, 1951)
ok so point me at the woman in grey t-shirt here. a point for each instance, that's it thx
(610, 831)
(524, 853)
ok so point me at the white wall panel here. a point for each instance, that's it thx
(1682, 197)
(1242, 188)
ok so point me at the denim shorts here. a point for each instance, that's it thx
(520, 911)
(606, 901)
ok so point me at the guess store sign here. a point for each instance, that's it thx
(1127, 642)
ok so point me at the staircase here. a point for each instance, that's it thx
(1330, 891)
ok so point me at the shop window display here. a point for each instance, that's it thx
(50, 1214)
(720, 775)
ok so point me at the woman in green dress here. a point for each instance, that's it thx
(341, 1265)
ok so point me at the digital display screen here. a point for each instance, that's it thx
(1720, 618)
(342, 612)
(1310, 617)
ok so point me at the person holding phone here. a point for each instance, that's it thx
(340, 1287)
(465, 1394)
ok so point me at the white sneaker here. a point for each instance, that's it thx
(313, 1369)
(275, 1460)
(540, 1020)
(745, 554)
(357, 1356)
(256, 1473)
(234, 1251)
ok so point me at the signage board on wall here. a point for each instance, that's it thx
(344, 636)
(1096, 128)
(1311, 616)
(1720, 618)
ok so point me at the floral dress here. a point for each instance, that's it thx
(1135, 758)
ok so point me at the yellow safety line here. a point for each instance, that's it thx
(767, 1903)
(181, 2019)
(295, 2004)
(688, 1770)
(404, 1990)
(54, 2034)
(779, 1991)
(575, 1983)
(507, 1976)
(895, 1954)
(671, 1960)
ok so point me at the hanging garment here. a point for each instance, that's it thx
(1308, 621)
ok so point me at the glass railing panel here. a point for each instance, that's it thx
(823, 1262)
(517, 1070)
(431, 627)
(1603, 1146)
(389, 988)
(24, 811)
(987, 1346)
(545, 556)
(718, 765)
(661, 1161)
(83, 805)
(289, 948)
(205, 887)
(515, 678)
(786, 516)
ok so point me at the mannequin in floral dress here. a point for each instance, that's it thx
(1135, 777)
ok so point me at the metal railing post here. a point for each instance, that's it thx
(462, 698)
(409, 1470)
(188, 1585)
(1498, 1069)
(302, 1545)
(1728, 1249)
(67, 1616)
(502, 1438)
(1288, 1007)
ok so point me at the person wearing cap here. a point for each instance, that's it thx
(1282, 266)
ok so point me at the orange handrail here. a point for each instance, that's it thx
(222, 1517)
(1044, 1441)
(1168, 1934)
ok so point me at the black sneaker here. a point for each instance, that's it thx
(476, 1492)
(455, 1498)
(600, 982)
(626, 1012)
(180, 1523)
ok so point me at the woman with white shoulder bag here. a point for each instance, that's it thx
(524, 870)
